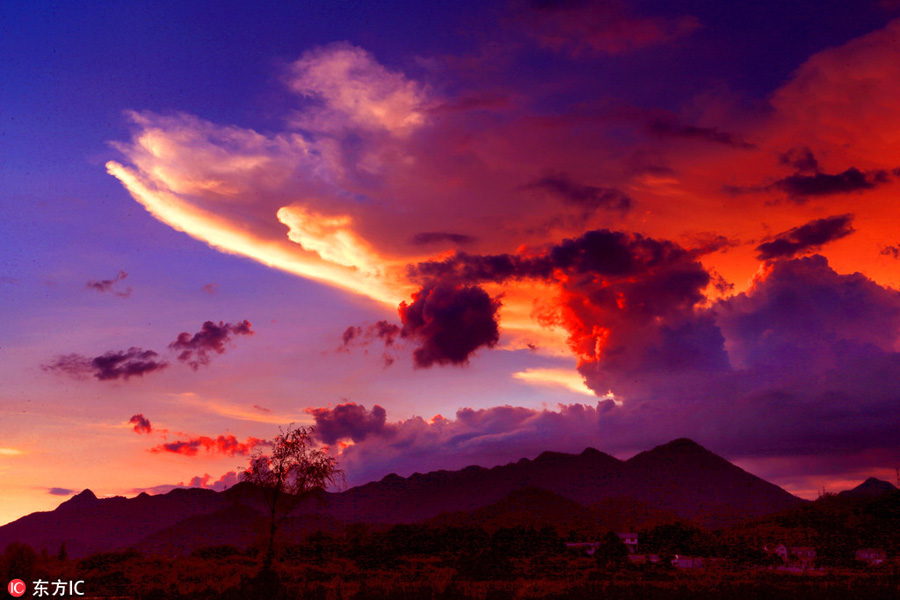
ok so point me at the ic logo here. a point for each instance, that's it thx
(16, 588)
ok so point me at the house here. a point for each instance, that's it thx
(642, 559)
(630, 540)
(871, 556)
(687, 562)
(803, 556)
(587, 547)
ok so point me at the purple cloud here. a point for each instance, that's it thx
(197, 349)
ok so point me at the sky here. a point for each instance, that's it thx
(445, 235)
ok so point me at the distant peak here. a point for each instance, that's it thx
(684, 442)
(870, 487)
(681, 445)
(878, 482)
(85, 498)
(549, 455)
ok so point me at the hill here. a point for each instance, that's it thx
(678, 480)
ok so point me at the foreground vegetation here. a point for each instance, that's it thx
(417, 563)
(494, 561)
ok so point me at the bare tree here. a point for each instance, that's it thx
(292, 469)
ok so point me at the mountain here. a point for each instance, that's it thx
(870, 488)
(680, 479)
(696, 484)
(396, 499)
(87, 524)
(526, 507)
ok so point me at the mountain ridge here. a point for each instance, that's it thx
(677, 480)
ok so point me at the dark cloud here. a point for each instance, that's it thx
(113, 365)
(892, 251)
(449, 323)
(211, 288)
(802, 313)
(437, 237)
(106, 285)
(809, 182)
(224, 444)
(620, 295)
(57, 491)
(262, 408)
(806, 238)
(670, 127)
(141, 424)
(801, 159)
(580, 27)
(800, 187)
(357, 335)
(708, 243)
(475, 436)
(347, 421)
(587, 197)
(196, 349)
(598, 252)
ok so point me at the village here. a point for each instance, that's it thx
(778, 557)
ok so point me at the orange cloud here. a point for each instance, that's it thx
(224, 444)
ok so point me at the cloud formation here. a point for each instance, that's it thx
(475, 436)
(106, 285)
(619, 295)
(801, 187)
(347, 421)
(449, 323)
(806, 238)
(384, 331)
(803, 364)
(580, 27)
(375, 171)
(113, 365)
(669, 127)
(436, 237)
(197, 349)
(141, 424)
(355, 92)
(589, 198)
(227, 445)
(58, 491)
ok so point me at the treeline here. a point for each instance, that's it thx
(836, 526)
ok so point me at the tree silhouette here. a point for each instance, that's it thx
(292, 469)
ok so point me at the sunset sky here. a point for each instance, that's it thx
(445, 235)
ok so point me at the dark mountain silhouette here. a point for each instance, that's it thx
(396, 499)
(526, 507)
(869, 488)
(87, 524)
(692, 482)
(680, 479)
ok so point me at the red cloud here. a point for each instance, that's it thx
(227, 445)
(141, 424)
